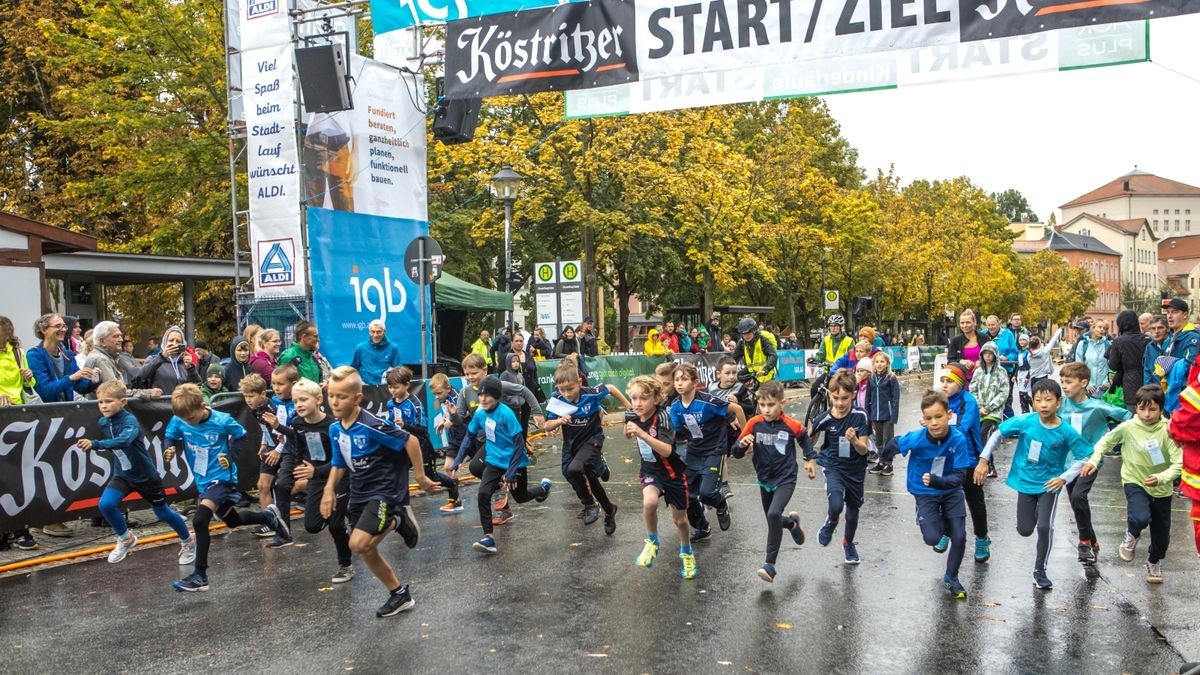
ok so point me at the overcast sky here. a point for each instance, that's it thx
(1053, 136)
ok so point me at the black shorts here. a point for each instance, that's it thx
(263, 467)
(151, 491)
(675, 490)
(224, 495)
(374, 517)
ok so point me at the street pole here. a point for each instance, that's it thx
(421, 288)
(508, 206)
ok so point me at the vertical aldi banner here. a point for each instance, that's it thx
(358, 276)
(276, 244)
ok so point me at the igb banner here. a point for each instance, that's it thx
(357, 264)
(552, 49)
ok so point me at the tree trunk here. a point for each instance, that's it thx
(622, 289)
(706, 303)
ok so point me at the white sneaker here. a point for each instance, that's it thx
(343, 575)
(1154, 573)
(1128, 547)
(122, 548)
(187, 551)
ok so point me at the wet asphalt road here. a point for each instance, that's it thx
(564, 596)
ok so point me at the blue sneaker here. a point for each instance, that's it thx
(797, 532)
(955, 587)
(851, 552)
(825, 535)
(279, 542)
(942, 545)
(192, 583)
(983, 550)
(546, 485)
(277, 522)
(486, 545)
(767, 572)
(1041, 581)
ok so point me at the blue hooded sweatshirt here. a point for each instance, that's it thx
(372, 360)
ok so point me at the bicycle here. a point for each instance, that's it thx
(819, 402)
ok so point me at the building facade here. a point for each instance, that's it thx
(1169, 206)
(1089, 253)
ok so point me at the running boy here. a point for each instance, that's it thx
(662, 470)
(452, 434)
(583, 441)
(1049, 454)
(271, 446)
(772, 438)
(939, 458)
(843, 456)
(378, 456)
(209, 441)
(1090, 417)
(504, 458)
(406, 412)
(1150, 462)
(727, 387)
(964, 416)
(702, 427)
(134, 471)
(665, 374)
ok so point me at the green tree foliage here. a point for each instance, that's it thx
(1012, 205)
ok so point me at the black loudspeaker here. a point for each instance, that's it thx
(454, 121)
(322, 71)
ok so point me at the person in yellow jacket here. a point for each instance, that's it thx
(483, 347)
(756, 350)
(654, 345)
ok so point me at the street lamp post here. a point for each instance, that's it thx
(505, 185)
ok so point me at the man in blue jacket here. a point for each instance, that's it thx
(376, 356)
(1006, 342)
(1183, 343)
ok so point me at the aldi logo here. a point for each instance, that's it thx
(256, 9)
(275, 265)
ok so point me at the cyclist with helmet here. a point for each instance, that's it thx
(756, 351)
(835, 345)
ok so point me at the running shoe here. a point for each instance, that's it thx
(502, 516)
(1041, 581)
(604, 474)
(344, 574)
(877, 467)
(398, 601)
(123, 547)
(1154, 573)
(486, 545)
(610, 520)
(26, 543)
(451, 506)
(187, 551)
(689, 569)
(1087, 554)
(700, 535)
(983, 550)
(192, 583)
(647, 556)
(407, 526)
(942, 545)
(1128, 547)
(546, 485)
(796, 531)
(263, 531)
(887, 470)
(591, 513)
(723, 517)
(825, 534)
(767, 572)
(851, 552)
(278, 523)
(279, 541)
(955, 587)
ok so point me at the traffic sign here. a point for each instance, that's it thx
(833, 299)
(432, 257)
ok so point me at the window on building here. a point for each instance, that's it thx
(1156, 212)
(1176, 211)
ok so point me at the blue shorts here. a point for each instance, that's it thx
(222, 494)
(947, 506)
(850, 484)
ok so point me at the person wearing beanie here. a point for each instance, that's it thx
(204, 357)
(214, 382)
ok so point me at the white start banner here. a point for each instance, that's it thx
(268, 81)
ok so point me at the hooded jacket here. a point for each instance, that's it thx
(263, 364)
(372, 359)
(1126, 355)
(654, 345)
(1093, 352)
(235, 371)
(166, 372)
(50, 387)
(989, 386)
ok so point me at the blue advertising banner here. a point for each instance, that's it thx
(357, 264)
(389, 15)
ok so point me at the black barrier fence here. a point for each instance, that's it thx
(45, 478)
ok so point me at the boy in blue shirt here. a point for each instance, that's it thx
(1049, 454)
(504, 458)
(583, 441)
(210, 441)
(843, 458)
(702, 425)
(1090, 417)
(964, 416)
(402, 408)
(134, 471)
(378, 456)
(939, 458)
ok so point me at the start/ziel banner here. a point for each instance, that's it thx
(605, 42)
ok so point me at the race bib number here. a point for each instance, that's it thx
(201, 464)
(953, 419)
(781, 442)
(316, 449)
(843, 447)
(489, 429)
(693, 427)
(344, 448)
(646, 450)
(123, 460)
(682, 451)
(1156, 453)
(939, 466)
(1035, 452)
(281, 414)
(1077, 422)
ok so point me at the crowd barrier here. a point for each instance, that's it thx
(45, 478)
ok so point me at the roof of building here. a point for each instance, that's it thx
(1130, 226)
(1179, 247)
(1029, 245)
(1176, 268)
(54, 239)
(1067, 241)
(1136, 183)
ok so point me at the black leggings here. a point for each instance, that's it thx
(1077, 492)
(232, 517)
(314, 522)
(582, 473)
(976, 505)
(1036, 512)
(773, 504)
(490, 480)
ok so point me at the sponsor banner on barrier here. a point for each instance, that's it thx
(273, 166)
(390, 15)
(370, 159)
(570, 46)
(45, 478)
(614, 370)
(1087, 47)
(357, 277)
